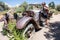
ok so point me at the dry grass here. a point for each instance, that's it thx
(3, 12)
(55, 11)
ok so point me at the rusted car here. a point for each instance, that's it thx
(30, 22)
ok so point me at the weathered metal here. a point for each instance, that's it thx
(32, 17)
(23, 22)
(28, 16)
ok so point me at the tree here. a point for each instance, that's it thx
(25, 5)
(30, 7)
(58, 7)
(3, 6)
(39, 6)
(20, 9)
(52, 5)
(1, 9)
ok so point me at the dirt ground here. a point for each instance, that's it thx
(2, 37)
(51, 33)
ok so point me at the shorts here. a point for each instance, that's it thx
(44, 16)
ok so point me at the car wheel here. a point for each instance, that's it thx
(29, 30)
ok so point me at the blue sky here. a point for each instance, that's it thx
(18, 2)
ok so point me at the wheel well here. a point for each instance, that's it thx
(33, 22)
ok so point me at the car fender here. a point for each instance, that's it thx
(23, 22)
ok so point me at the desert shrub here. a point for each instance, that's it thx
(14, 33)
(58, 8)
(3, 6)
(54, 11)
(52, 5)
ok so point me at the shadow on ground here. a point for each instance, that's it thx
(54, 31)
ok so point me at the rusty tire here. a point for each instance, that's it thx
(29, 30)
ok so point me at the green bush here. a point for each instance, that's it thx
(3, 6)
(52, 5)
(14, 34)
(54, 11)
(58, 8)
(20, 9)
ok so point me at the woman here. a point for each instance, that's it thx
(44, 13)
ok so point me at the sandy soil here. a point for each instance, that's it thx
(2, 37)
(40, 35)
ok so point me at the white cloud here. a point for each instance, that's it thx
(35, 3)
(8, 4)
(47, 5)
(17, 5)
